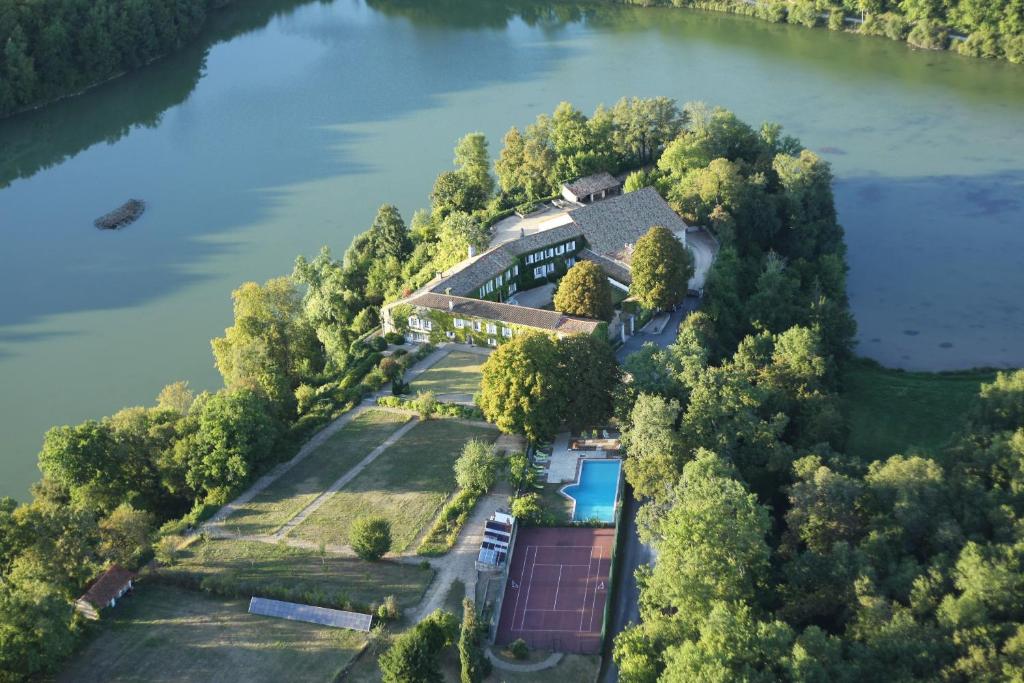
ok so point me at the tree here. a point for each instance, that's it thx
(589, 362)
(413, 657)
(522, 389)
(710, 544)
(459, 231)
(456, 191)
(477, 467)
(177, 397)
(229, 434)
(125, 535)
(475, 665)
(1002, 401)
(585, 291)
(35, 624)
(329, 305)
(654, 449)
(271, 347)
(661, 269)
(389, 235)
(370, 537)
(471, 159)
(732, 646)
(826, 507)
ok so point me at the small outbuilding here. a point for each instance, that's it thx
(105, 591)
(591, 188)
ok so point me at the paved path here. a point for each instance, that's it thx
(553, 659)
(343, 480)
(460, 562)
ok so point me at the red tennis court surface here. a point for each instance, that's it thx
(557, 588)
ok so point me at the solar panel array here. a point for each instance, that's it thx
(314, 615)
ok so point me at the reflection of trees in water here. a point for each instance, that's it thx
(37, 140)
(489, 13)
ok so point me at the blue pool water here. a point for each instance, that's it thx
(596, 491)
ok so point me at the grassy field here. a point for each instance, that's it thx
(456, 373)
(408, 483)
(246, 568)
(163, 633)
(899, 412)
(299, 486)
(554, 502)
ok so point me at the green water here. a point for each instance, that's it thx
(291, 122)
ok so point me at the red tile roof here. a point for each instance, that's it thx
(108, 585)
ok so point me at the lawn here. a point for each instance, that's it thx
(456, 373)
(900, 412)
(163, 633)
(274, 570)
(300, 485)
(407, 484)
(554, 502)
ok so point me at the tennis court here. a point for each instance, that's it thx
(557, 588)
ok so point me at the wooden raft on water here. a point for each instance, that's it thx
(123, 215)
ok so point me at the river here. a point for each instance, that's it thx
(289, 123)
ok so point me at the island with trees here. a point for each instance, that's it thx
(786, 548)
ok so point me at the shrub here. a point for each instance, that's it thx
(414, 654)
(305, 397)
(370, 537)
(804, 12)
(445, 531)
(519, 649)
(930, 35)
(519, 472)
(836, 19)
(526, 508)
(388, 610)
(167, 550)
(477, 467)
(425, 404)
(394, 338)
(475, 665)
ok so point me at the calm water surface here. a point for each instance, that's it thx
(291, 122)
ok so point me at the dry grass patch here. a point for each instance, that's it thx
(299, 486)
(246, 568)
(163, 633)
(407, 484)
(456, 373)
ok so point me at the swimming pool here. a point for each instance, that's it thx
(596, 491)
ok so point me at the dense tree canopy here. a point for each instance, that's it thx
(585, 291)
(661, 268)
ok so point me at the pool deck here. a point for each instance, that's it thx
(602, 457)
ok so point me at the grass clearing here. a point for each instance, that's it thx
(456, 373)
(554, 503)
(246, 568)
(163, 633)
(891, 412)
(300, 485)
(407, 484)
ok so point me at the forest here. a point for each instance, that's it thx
(54, 48)
(780, 558)
(976, 28)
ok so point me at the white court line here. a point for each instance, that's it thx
(552, 564)
(558, 584)
(522, 624)
(573, 611)
(593, 606)
(519, 591)
(586, 586)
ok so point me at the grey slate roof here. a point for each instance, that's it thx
(470, 274)
(611, 224)
(614, 269)
(507, 313)
(592, 184)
